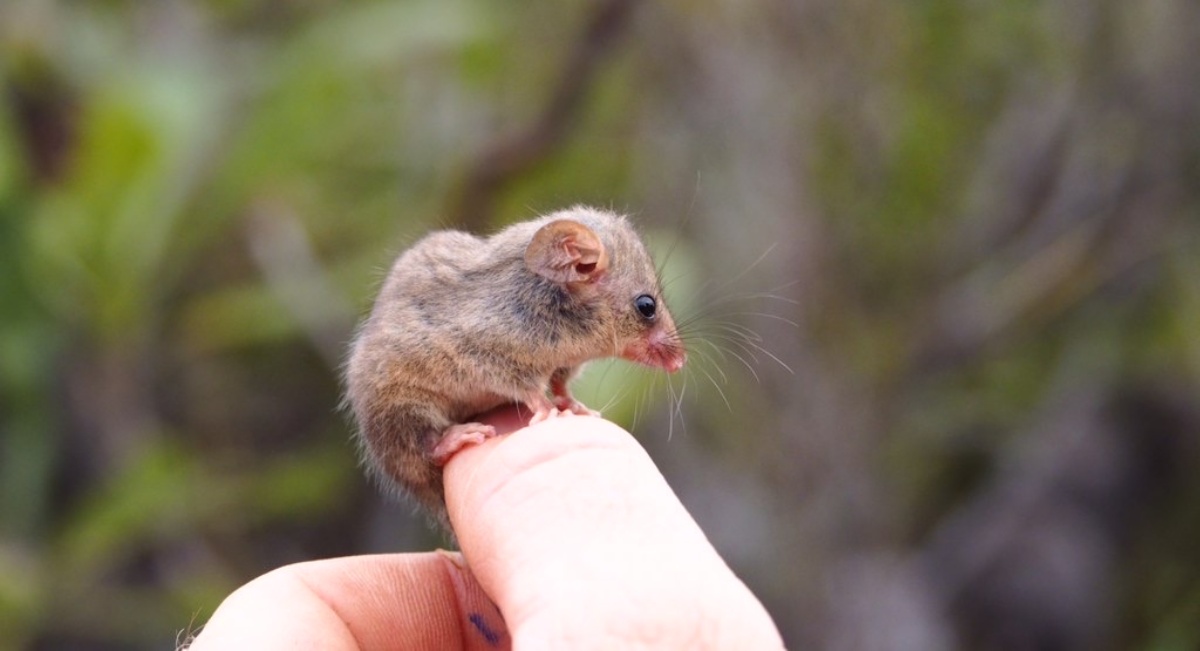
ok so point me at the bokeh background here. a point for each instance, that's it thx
(943, 258)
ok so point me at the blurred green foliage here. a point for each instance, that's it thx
(939, 217)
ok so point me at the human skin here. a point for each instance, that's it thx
(569, 530)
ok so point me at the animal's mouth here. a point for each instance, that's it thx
(658, 351)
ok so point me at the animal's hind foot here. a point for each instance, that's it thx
(457, 437)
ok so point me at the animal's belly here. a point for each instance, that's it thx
(476, 404)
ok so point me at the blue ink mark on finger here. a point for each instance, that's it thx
(492, 637)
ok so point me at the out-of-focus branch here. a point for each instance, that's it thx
(509, 156)
(281, 248)
(45, 111)
(1096, 225)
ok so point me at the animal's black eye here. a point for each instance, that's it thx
(646, 306)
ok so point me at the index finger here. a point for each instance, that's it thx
(573, 531)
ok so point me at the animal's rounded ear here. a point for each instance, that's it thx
(566, 251)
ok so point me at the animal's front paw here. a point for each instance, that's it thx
(544, 414)
(542, 408)
(569, 405)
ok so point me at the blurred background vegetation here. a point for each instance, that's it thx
(969, 232)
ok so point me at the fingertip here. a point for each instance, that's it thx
(570, 527)
(539, 478)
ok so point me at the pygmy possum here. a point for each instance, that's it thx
(464, 324)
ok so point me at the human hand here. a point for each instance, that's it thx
(566, 524)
